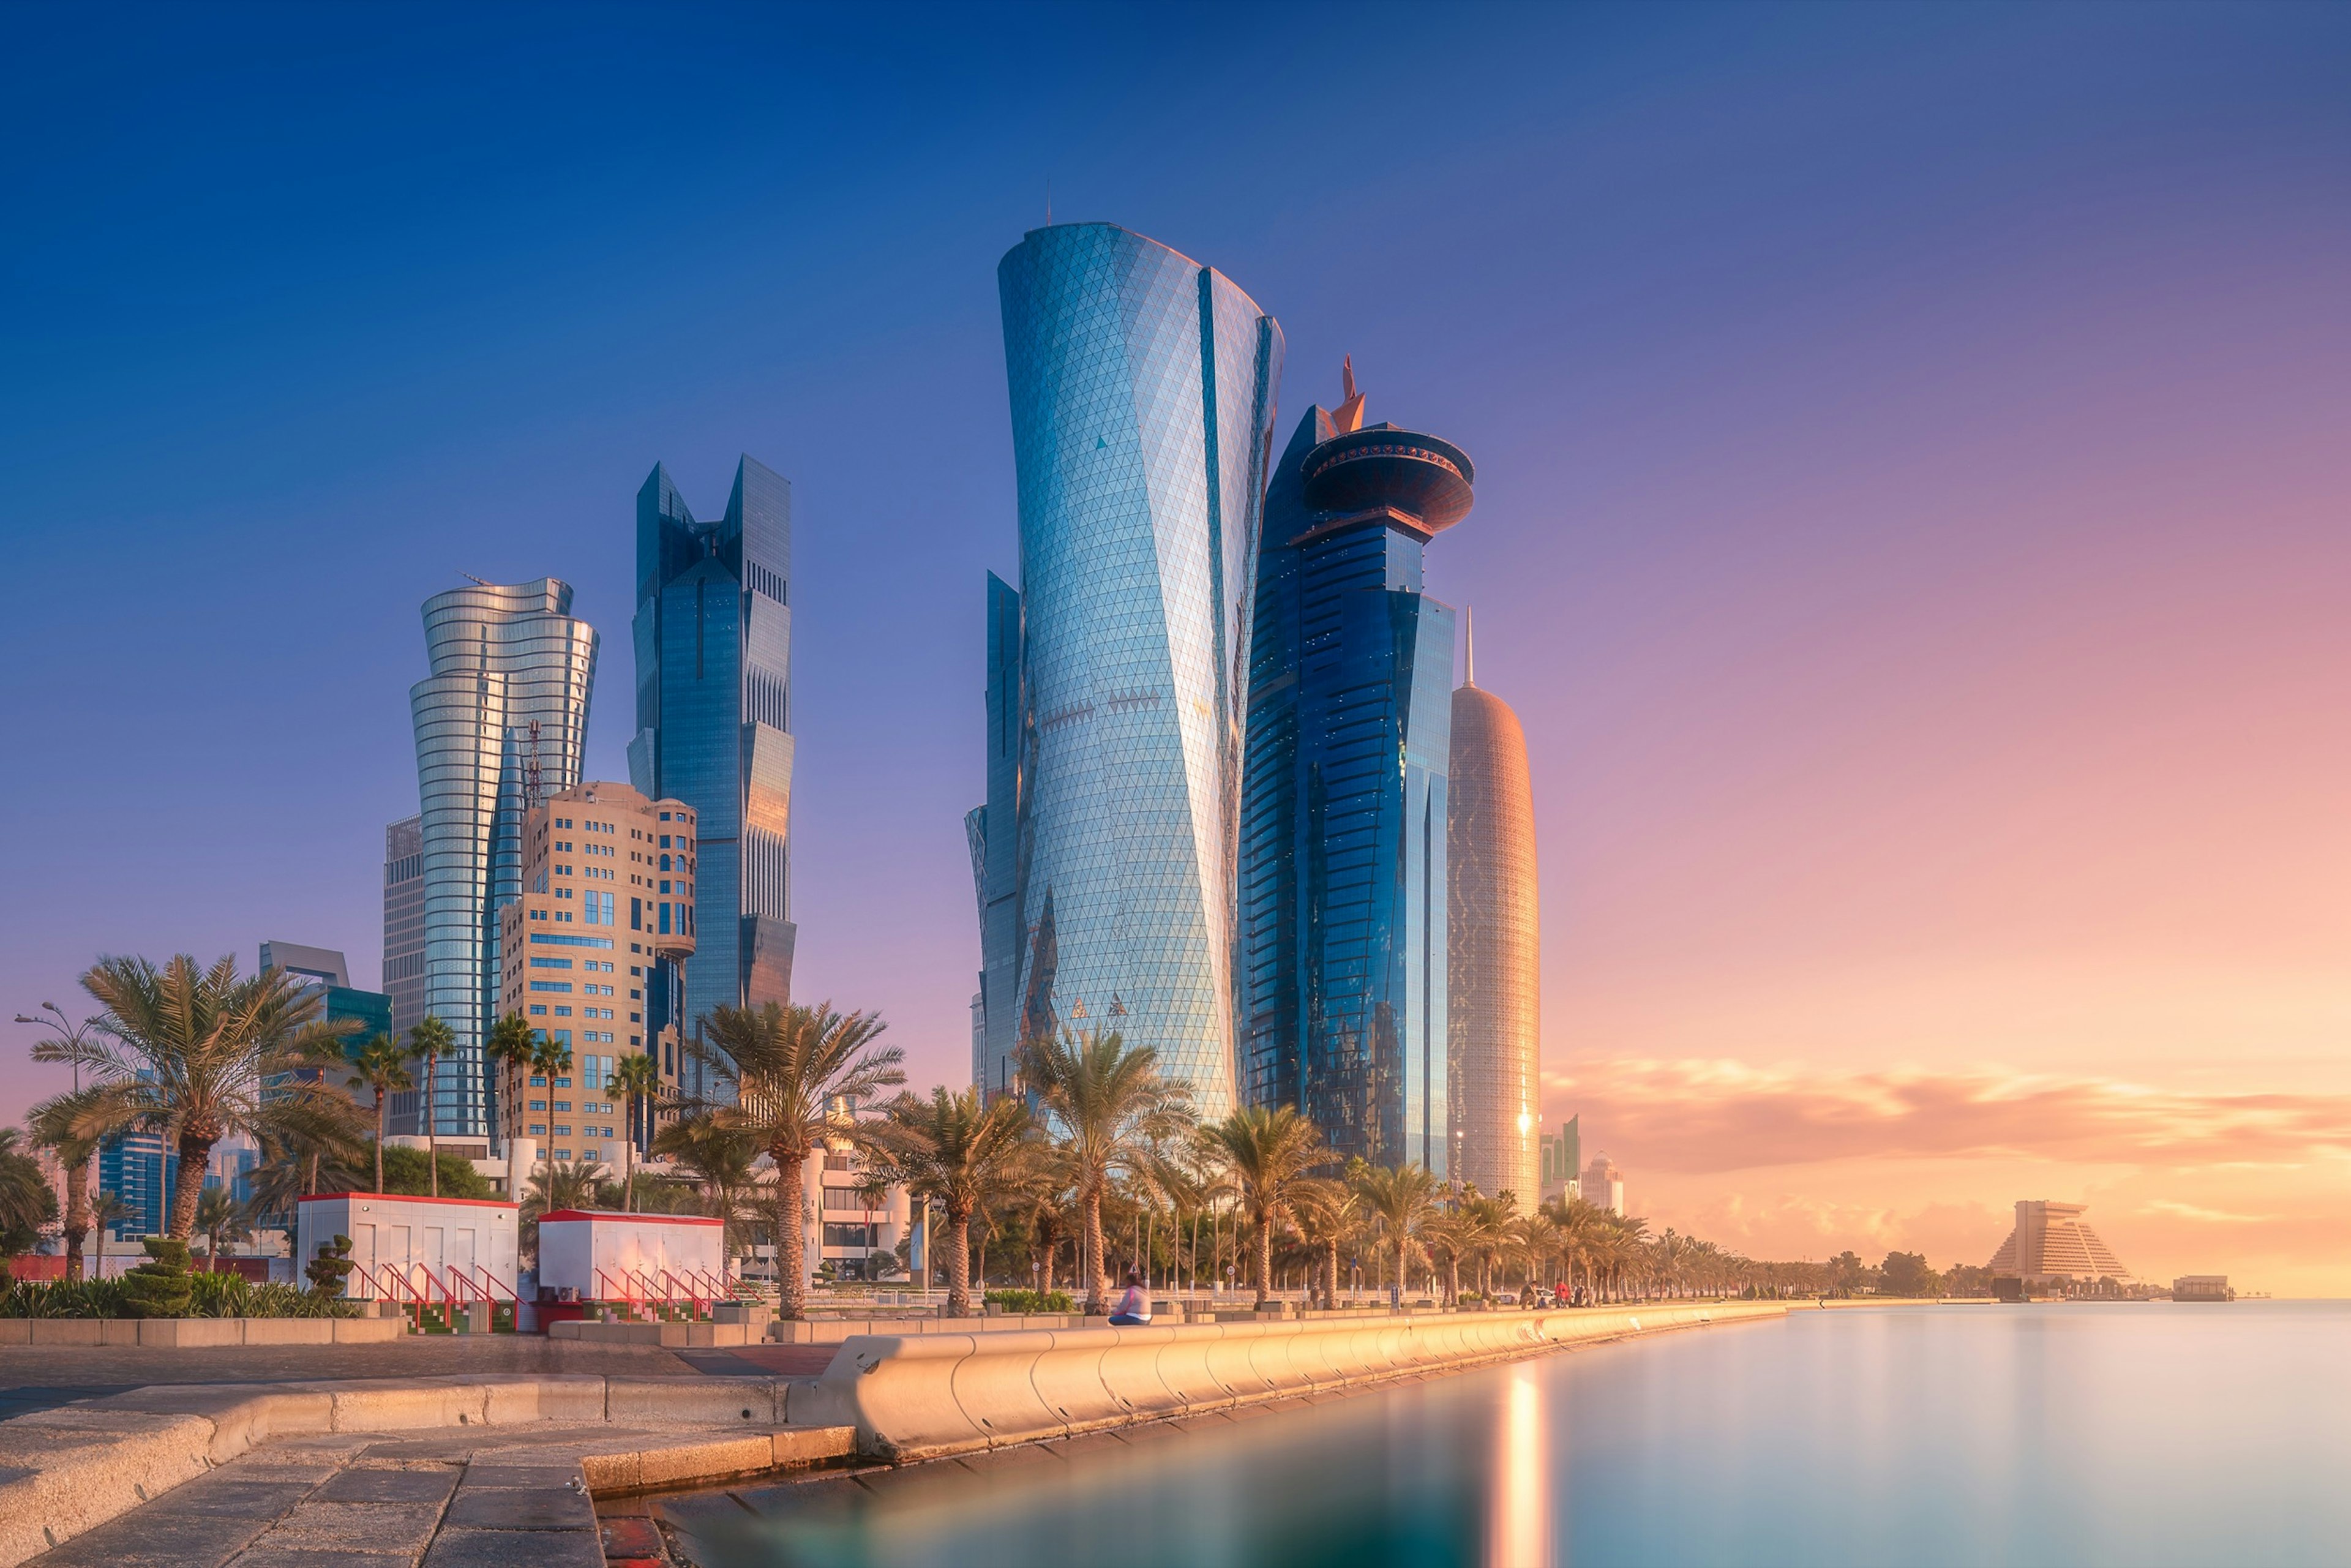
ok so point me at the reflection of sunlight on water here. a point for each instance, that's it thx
(1518, 1527)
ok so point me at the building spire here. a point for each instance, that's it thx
(1470, 645)
(1349, 415)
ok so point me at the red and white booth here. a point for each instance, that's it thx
(419, 1251)
(640, 1258)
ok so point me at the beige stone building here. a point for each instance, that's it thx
(594, 955)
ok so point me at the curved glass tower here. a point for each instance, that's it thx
(713, 647)
(1343, 846)
(1496, 995)
(1141, 386)
(501, 724)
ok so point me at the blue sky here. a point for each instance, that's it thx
(1794, 345)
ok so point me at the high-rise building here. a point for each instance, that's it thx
(595, 956)
(327, 974)
(714, 644)
(501, 724)
(403, 922)
(1344, 845)
(1561, 1153)
(1496, 1014)
(139, 1168)
(2049, 1246)
(1141, 388)
(1603, 1186)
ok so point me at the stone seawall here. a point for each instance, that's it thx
(929, 1395)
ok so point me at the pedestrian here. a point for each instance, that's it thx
(1134, 1309)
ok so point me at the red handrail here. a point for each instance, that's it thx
(692, 1293)
(605, 1281)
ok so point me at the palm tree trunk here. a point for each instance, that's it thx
(958, 1265)
(431, 1149)
(1097, 1283)
(791, 1277)
(380, 1098)
(1264, 1261)
(629, 1155)
(196, 1154)
(77, 1215)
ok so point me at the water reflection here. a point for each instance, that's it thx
(2138, 1434)
(1518, 1519)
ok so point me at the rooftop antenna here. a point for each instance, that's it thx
(1469, 644)
(530, 774)
(476, 581)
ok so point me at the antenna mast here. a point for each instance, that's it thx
(530, 774)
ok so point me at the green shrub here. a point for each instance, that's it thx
(328, 1270)
(1031, 1300)
(406, 1170)
(159, 1288)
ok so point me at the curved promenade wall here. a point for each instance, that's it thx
(920, 1396)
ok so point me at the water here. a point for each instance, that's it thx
(2144, 1434)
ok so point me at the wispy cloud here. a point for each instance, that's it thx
(1716, 1116)
(2213, 1215)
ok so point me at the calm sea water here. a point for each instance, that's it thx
(2128, 1434)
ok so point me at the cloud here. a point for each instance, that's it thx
(1699, 1116)
(2212, 1216)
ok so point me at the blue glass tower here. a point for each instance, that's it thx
(714, 645)
(1141, 386)
(1342, 850)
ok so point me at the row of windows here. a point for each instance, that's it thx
(587, 1107)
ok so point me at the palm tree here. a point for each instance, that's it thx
(1328, 1215)
(1403, 1198)
(380, 1064)
(107, 1212)
(719, 1161)
(508, 1047)
(1485, 1230)
(190, 1051)
(429, 1041)
(71, 1127)
(220, 1217)
(635, 1079)
(28, 1201)
(323, 1146)
(956, 1152)
(1107, 1107)
(563, 1184)
(1268, 1153)
(796, 1074)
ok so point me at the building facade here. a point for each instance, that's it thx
(403, 922)
(501, 724)
(1603, 1185)
(1343, 890)
(2050, 1246)
(595, 949)
(1141, 388)
(714, 639)
(1496, 951)
(1561, 1155)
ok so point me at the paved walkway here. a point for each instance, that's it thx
(41, 1378)
(355, 1501)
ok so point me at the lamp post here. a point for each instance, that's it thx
(72, 1034)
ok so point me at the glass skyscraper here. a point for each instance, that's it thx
(714, 644)
(501, 724)
(1343, 849)
(1141, 388)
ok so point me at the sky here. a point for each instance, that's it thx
(1910, 518)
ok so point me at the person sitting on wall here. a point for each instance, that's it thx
(1134, 1309)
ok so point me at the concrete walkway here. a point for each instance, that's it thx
(356, 1500)
(43, 1379)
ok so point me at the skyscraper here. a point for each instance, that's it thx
(713, 652)
(1343, 905)
(501, 722)
(403, 922)
(1496, 986)
(1142, 387)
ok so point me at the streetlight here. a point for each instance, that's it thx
(66, 1030)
